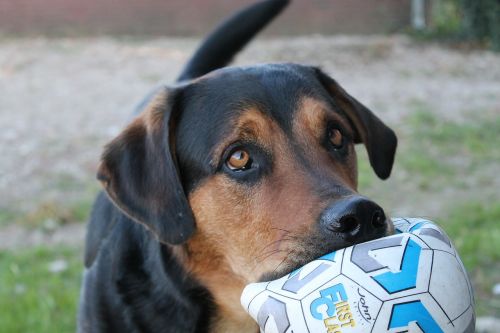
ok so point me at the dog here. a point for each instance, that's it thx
(231, 176)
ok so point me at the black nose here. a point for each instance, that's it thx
(355, 218)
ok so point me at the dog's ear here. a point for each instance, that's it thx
(380, 140)
(139, 172)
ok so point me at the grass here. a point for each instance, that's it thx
(64, 199)
(77, 211)
(439, 153)
(475, 138)
(475, 231)
(7, 216)
(49, 213)
(366, 177)
(32, 297)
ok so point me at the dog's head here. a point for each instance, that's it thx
(253, 170)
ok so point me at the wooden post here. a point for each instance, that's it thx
(418, 14)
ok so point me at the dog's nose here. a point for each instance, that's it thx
(355, 218)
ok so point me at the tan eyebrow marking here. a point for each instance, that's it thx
(311, 118)
(251, 125)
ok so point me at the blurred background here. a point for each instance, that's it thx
(71, 72)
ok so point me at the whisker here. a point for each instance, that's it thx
(267, 256)
(288, 237)
(282, 261)
(283, 239)
(285, 230)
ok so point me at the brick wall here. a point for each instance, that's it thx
(192, 17)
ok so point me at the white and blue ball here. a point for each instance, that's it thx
(412, 281)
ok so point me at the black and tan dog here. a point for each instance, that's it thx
(236, 176)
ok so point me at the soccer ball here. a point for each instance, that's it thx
(412, 281)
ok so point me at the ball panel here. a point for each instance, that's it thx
(391, 267)
(277, 313)
(395, 281)
(400, 224)
(341, 304)
(448, 279)
(365, 304)
(306, 279)
(469, 283)
(466, 321)
(433, 236)
(250, 292)
(415, 313)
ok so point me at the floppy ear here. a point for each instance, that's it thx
(139, 172)
(380, 140)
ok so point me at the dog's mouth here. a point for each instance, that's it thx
(313, 247)
(297, 258)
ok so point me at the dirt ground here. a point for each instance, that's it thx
(61, 100)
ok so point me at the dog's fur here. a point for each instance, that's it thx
(179, 232)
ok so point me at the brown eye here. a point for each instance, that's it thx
(336, 139)
(239, 160)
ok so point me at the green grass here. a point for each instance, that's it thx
(34, 299)
(76, 211)
(366, 177)
(437, 152)
(476, 138)
(70, 201)
(7, 216)
(475, 231)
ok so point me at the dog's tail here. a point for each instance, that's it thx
(230, 37)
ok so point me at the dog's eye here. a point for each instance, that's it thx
(335, 138)
(239, 160)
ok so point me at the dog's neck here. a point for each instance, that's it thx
(225, 288)
(230, 315)
(229, 318)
